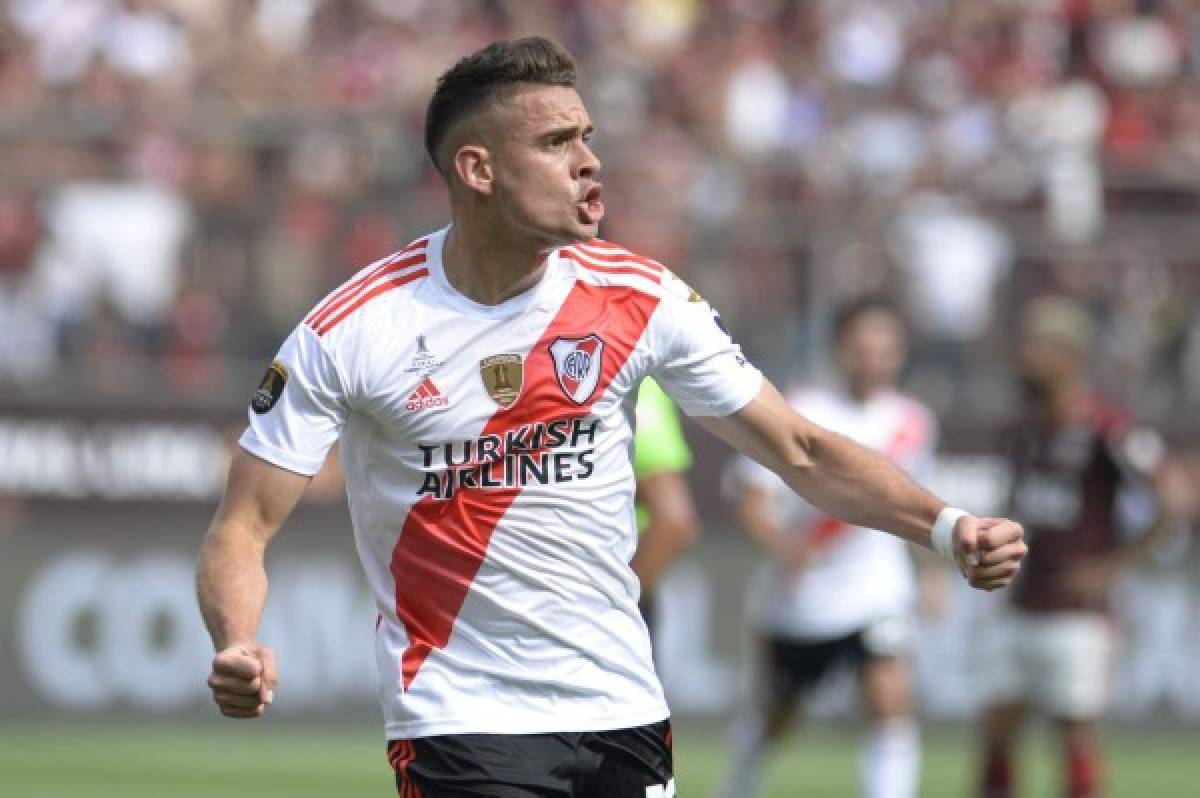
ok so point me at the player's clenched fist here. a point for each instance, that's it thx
(989, 550)
(243, 680)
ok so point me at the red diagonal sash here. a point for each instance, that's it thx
(443, 543)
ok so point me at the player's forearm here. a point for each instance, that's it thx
(860, 486)
(231, 584)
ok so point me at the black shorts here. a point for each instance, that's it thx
(624, 763)
(797, 666)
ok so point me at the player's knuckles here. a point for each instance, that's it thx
(1001, 572)
(234, 684)
(1010, 553)
(241, 667)
(1009, 532)
(240, 700)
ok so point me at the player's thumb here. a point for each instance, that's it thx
(966, 541)
(270, 674)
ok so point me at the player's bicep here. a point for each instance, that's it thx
(767, 430)
(259, 496)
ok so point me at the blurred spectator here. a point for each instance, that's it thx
(117, 242)
(207, 170)
(953, 258)
(28, 333)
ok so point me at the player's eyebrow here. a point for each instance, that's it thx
(568, 131)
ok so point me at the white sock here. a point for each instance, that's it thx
(747, 744)
(891, 759)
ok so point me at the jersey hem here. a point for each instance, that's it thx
(698, 410)
(277, 457)
(508, 725)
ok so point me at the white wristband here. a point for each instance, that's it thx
(942, 536)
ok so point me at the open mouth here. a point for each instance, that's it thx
(591, 207)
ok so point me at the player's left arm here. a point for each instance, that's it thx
(673, 526)
(863, 487)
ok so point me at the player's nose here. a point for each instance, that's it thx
(589, 163)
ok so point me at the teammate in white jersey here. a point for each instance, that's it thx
(481, 383)
(833, 594)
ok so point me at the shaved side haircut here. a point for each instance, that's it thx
(483, 77)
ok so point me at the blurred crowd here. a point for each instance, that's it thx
(181, 179)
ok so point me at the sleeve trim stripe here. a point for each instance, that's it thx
(605, 251)
(381, 286)
(388, 265)
(277, 457)
(625, 267)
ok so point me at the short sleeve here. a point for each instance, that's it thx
(658, 445)
(701, 367)
(299, 409)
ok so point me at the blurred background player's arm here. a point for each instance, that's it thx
(756, 515)
(1175, 501)
(231, 581)
(754, 491)
(667, 519)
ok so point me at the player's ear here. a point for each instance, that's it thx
(473, 167)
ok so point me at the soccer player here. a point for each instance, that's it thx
(832, 594)
(480, 382)
(666, 515)
(1078, 468)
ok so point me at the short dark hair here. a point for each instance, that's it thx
(484, 75)
(854, 309)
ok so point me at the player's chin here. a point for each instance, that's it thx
(573, 232)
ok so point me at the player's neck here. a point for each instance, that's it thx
(490, 266)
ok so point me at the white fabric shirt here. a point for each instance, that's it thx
(861, 574)
(487, 453)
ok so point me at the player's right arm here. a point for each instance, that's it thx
(231, 581)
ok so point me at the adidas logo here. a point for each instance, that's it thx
(425, 397)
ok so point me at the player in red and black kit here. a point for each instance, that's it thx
(1080, 470)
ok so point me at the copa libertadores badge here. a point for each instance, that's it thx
(270, 389)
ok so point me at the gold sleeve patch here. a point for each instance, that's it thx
(270, 389)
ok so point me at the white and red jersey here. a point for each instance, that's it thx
(487, 452)
(858, 575)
